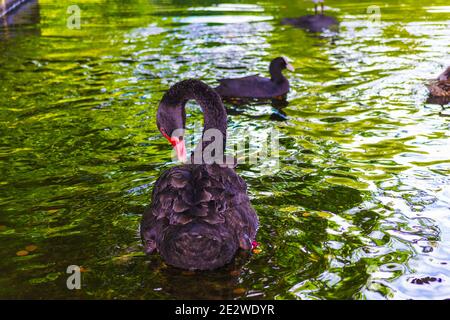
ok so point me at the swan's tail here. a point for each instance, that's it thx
(199, 246)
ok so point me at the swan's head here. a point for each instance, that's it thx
(171, 115)
(445, 76)
(198, 245)
(171, 122)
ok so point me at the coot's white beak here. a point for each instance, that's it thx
(289, 66)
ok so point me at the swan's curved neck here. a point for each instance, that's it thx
(172, 107)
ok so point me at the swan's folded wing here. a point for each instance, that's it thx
(181, 195)
(185, 193)
(235, 205)
(243, 218)
(172, 197)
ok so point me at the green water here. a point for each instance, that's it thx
(358, 209)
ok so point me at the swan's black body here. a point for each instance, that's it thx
(313, 23)
(257, 87)
(200, 214)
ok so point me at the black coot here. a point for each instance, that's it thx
(256, 87)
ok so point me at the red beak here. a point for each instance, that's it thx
(180, 149)
(178, 145)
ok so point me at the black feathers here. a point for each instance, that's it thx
(255, 86)
(207, 199)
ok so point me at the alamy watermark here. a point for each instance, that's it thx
(374, 15)
(74, 280)
(74, 18)
(246, 147)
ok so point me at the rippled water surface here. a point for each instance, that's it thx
(358, 209)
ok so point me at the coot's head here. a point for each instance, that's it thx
(277, 66)
(445, 76)
(198, 245)
(282, 63)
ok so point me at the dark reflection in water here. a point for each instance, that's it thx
(356, 209)
(241, 106)
(313, 23)
(21, 21)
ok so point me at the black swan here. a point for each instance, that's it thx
(256, 87)
(200, 214)
(313, 23)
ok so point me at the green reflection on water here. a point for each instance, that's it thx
(357, 209)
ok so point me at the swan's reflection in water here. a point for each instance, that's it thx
(223, 283)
